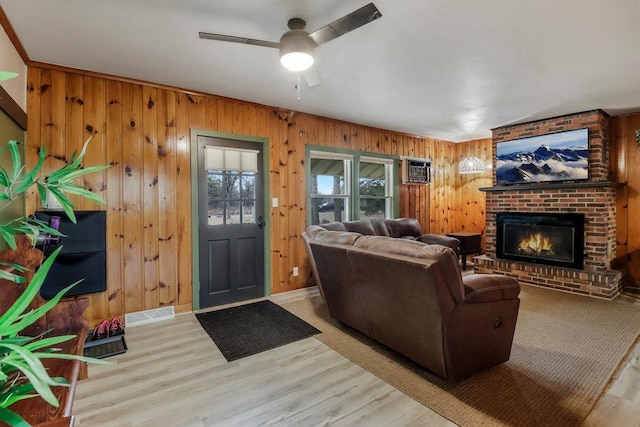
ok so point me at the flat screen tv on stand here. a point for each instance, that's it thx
(562, 156)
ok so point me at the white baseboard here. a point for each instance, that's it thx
(149, 316)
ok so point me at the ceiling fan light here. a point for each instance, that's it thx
(297, 61)
(297, 50)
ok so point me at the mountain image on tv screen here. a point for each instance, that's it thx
(562, 156)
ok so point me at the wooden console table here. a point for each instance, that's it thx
(66, 318)
(470, 243)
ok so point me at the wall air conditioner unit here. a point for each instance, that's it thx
(416, 171)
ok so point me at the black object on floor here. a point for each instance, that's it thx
(105, 347)
(253, 328)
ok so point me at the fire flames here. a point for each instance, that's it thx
(535, 244)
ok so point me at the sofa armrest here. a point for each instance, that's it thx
(437, 239)
(489, 287)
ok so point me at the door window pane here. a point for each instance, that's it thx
(232, 185)
(248, 186)
(232, 212)
(216, 212)
(248, 212)
(216, 187)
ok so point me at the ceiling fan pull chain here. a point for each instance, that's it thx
(298, 85)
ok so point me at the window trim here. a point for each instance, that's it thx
(355, 156)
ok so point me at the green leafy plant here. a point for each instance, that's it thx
(22, 374)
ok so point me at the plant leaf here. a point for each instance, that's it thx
(15, 157)
(64, 201)
(80, 172)
(42, 192)
(30, 176)
(11, 418)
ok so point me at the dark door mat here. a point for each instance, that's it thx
(253, 328)
(105, 347)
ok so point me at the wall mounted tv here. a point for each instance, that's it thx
(562, 156)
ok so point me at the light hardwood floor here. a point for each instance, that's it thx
(173, 375)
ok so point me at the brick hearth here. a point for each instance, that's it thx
(595, 198)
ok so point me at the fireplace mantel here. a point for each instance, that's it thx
(544, 186)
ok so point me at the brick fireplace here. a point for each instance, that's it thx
(595, 199)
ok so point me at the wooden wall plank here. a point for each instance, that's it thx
(115, 218)
(74, 129)
(93, 122)
(225, 115)
(34, 129)
(618, 167)
(150, 196)
(211, 113)
(183, 200)
(52, 125)
(167, 197)
(197, 111)
(132, 185)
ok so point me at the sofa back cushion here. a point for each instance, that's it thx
(403, 227)
(319, 234)
(380, 226)
(334, 226)
(363, 227)
(447, 261)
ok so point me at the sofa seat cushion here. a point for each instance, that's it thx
(489, 287)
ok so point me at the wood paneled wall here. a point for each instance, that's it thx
(469, 212)
(624, 158)
(143, 131)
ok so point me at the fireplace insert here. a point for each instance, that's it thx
(543, 238)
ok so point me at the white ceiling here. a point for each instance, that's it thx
(441, 68)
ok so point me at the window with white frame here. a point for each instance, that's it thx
(330, 186)
(375, 188)
(347, 187)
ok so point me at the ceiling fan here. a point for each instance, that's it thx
(297, 47)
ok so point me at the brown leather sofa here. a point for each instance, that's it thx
(411, 297)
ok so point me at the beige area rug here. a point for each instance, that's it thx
(566, 348)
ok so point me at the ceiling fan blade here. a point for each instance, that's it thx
(350, 22)
(241, 40)
(311, 76)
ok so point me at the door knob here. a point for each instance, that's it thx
(260, 221)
